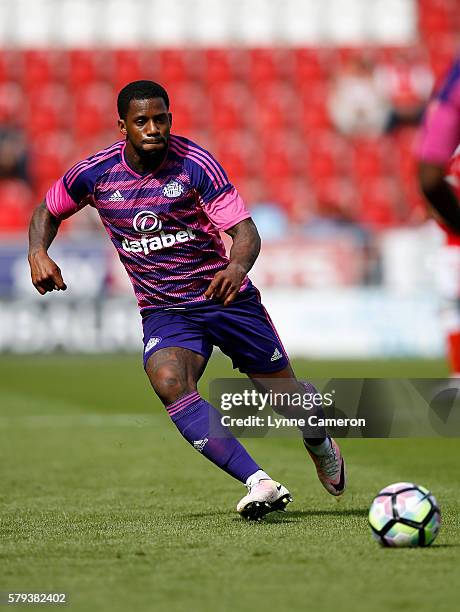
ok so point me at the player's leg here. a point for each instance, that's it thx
(285, 383)
(448, 281)
(177, 349)
(174, 373)
(323, 450)
(246, 333)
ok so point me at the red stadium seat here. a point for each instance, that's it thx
(183, 121)
(224, 66)
(301, 204)
(337, 198)
(328, 156)
(262, 66)
(17, 203)
(263, 112)
(442, 49)
(435, 20)
(11, 65)
(239, 62)
(278, 108)
(86, 66)
(267, 66)
(235, 93)
(48, 110)
(130, 65)
(94, 109)
(88, 144)
(283, 152)
(40, 68)
(225, 117)
(189, 106)
(179, 65)
(51, 155)
(239, 153)
(295, 195)
(380, 204)
(231, 107)
(314, 114)
(217, 67)
(367, 163)
(284, 59)
(12, 100)
(307, 66)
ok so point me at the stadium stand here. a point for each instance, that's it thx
(261, 108)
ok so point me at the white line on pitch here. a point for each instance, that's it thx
(77, 420)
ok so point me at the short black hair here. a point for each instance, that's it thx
(139, 90)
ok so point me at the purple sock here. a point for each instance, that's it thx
(321, 432)
(194, 417)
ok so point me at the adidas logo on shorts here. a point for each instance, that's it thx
(154, 340)
(276, 355)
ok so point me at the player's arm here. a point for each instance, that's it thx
(439, 137)
(441, 198)
(244, 252)
(227, 212)
(46, 275)
(60, 202)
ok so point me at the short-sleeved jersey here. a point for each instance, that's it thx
(164, 224)
(440, 133)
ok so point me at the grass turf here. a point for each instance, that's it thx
(123, 515)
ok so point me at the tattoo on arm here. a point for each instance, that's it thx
(42, 230)
(246, 244)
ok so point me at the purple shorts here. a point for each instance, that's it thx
(242, 330)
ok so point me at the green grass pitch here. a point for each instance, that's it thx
(102, 499)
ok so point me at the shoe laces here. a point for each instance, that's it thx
(329, 462)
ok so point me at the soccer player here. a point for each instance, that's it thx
(163, 200)
(438, 140)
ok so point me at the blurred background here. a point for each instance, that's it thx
(311, 106)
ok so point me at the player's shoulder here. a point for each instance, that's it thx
(186, 148)
(198, 159)
(93, 166)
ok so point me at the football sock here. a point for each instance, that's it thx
(312, 436)
(256, 477)
(199, 423)
(319, 449)
(319, 445)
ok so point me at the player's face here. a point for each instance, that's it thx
(147, 126)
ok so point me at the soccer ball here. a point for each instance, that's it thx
(404, 514)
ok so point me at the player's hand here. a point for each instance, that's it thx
(46, 275)
(226, 284)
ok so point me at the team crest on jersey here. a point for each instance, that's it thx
(154, 340)
(173, 189)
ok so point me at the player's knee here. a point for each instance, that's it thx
(170, 383)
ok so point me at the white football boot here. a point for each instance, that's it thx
(263, 497)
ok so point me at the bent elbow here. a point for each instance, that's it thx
(430, 178)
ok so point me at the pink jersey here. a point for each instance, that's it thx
(440, 134)
(165, 225)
